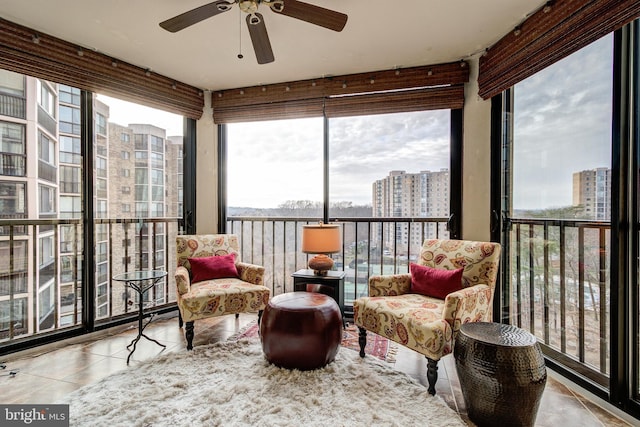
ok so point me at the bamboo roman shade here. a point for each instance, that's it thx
(409, 89)
(555, 31)
(26, 51)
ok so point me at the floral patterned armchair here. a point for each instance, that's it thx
(218, 296)
(425, 324)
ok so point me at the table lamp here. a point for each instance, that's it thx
(321, 239)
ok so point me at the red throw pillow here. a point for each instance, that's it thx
(213, 267)
(434, 282)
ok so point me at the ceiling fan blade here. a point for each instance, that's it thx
(310, 13)
(196, 15)
(259, 38)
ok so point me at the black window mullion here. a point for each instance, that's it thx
(88, 260)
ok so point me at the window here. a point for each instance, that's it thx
(125, 137)
(157, 160)
(157, 177)
(70, 207)
(70, 179)
(101, 188)
(558, 170)
(141, 142)
(157, 210)
(46, 250)
(70, 150)
(101, 209)
(46, 305)
(12, 149)
(125, 155)
(101, 167)
(46, 149)
(142, 176)
(142, 192)
(12, 199)
(142, 209)
(17, 279)
(69, 95)
(46, 98)
(15, 317)
(101, 124)
(157, 193)
(47, 199)
(157, 144)
(125, 173)
(69, 120)
(11, 83)
(279, 167)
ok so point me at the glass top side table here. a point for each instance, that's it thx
(141, 281)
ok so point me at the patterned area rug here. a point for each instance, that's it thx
(377, 346)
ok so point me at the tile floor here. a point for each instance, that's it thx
(46, 374)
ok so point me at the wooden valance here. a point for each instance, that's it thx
(407, 89)
(26, 51)
(555, 31)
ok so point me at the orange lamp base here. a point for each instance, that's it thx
(320, 264)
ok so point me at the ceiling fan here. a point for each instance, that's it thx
(257, 30)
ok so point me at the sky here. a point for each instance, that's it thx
(272, 162)
(562, 125)
(125, 113)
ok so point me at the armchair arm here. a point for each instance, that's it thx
(472, 304)
(389, 285)
(250, 273)
(183, 282)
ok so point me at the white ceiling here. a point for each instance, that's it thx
(379, 35)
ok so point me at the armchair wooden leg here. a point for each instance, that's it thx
(180, 321)
(188, 333)
(362, 340)
(237, 315)
(432, 375)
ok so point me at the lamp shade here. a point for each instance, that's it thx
(321, 239)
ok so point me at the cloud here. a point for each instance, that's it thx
(270, 162)
(562, 125)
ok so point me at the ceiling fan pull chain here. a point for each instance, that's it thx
(240, 56)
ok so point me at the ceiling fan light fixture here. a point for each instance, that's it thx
(248, 6)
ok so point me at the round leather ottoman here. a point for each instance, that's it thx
(301, 330)
(502, 373)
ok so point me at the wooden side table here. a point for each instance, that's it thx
(332, 284)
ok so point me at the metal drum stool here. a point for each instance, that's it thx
(502, 373)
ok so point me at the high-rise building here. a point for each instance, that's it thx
(592, 191)
(137, 174)
(405, 195)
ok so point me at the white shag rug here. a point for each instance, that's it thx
(232, 384)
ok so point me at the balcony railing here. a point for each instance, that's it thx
(558, 271)
(12, 106)
(131, 244)
(369, 246)
(560, 287)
